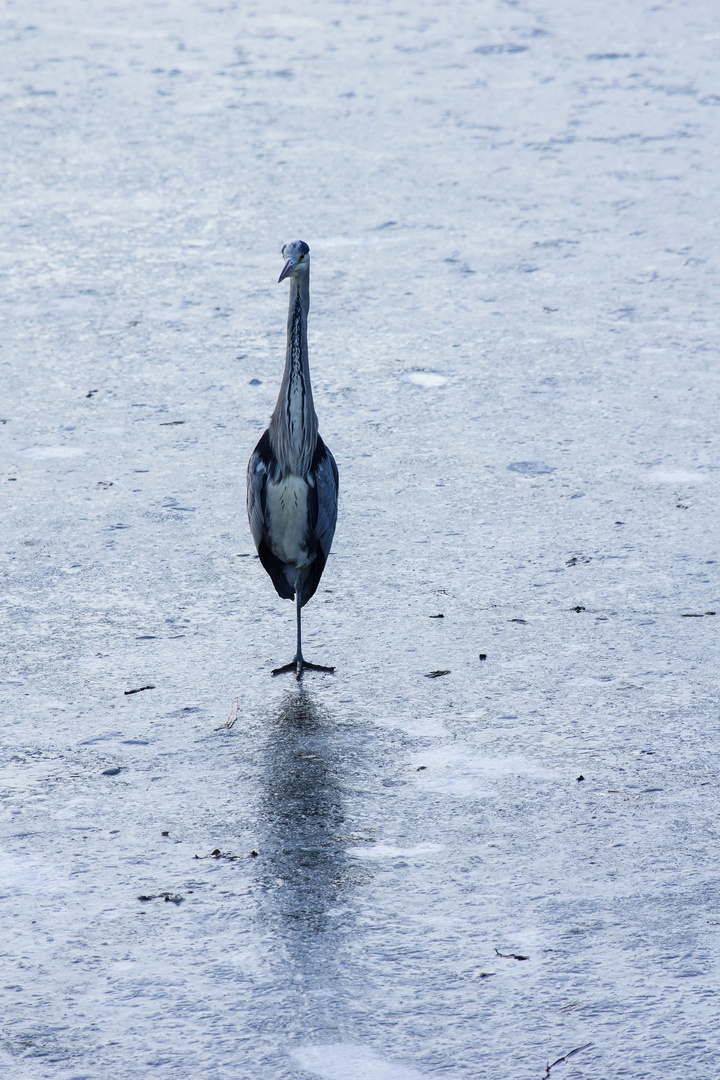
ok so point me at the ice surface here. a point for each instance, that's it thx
(352, 1063)
(40, 453)
(388, 851)
(676, 476)
(513, 214)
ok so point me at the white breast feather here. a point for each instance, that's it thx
(286, 504)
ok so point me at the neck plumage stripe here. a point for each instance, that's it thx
(293, 428)
(295, 334)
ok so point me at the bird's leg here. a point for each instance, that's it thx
(298, 665)
(298, 610)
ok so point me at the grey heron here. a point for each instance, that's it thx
(292, 478)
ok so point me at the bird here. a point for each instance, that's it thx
(292, 478)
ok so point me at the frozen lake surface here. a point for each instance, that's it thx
(513, 213)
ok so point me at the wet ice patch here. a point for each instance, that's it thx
(42, 453)
(531, 468)
(346, 1061)
(389, 851)
(676, 476)
(426, 378)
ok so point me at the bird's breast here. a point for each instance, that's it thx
(286, 502)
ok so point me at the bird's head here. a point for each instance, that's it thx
(296, 254)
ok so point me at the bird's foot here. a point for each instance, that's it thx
(286, 667)
(299, 666)
(306, 666)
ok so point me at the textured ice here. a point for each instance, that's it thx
(388, 851)
(42, 453)
(521, 200)
(676, 476)
(460, 771)
(348, 1062)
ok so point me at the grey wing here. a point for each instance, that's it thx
(326, 480)
(256, 477)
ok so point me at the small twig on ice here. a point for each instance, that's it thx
(511, 955)
(565, 1057)
(169, 898)
(232, 717)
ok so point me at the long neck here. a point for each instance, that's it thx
(294, 426)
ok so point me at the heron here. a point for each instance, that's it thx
(292, 478)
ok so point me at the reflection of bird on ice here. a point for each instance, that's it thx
(292, 479)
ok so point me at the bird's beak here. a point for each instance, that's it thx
(286, 269)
